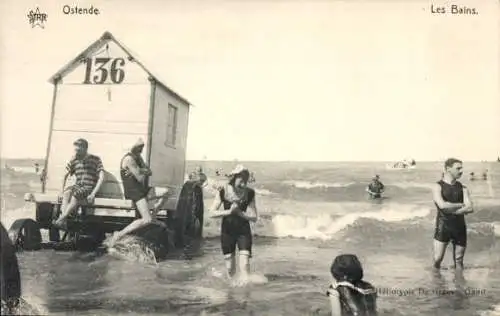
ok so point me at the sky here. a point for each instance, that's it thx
(279, 80)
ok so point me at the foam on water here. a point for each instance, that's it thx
(212, 185)
(239, 280)
(496, 228)
(28, 305)
(322, 224)
(9, 216)
(264, 192)
(494, 311)
(412, 184)
(325, 227)
(131, 248)
(316, 184)
(328, 204)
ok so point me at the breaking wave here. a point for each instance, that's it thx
(300, 184)
(494, 311)
(323, 225)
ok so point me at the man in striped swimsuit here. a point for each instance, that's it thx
(89, 173)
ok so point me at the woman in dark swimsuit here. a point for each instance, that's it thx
(349, 294)
(239, 210)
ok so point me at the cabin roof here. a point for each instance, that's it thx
(101, 41)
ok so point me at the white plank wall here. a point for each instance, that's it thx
(167, 162)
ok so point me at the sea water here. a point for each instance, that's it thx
(309, 213)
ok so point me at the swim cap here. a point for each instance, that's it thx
(237, 170)
(81, 142)
(138, 143)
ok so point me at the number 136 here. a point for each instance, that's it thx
(101, 72)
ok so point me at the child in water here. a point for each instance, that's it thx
(349, 294)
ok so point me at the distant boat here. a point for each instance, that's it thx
(404, 164)
(498, 159)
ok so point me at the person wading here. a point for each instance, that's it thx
(452, 200)
(375, 188)
(239, 210)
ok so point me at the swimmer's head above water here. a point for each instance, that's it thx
(347, 267)
(350, 294)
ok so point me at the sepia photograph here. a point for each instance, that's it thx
(250, 157)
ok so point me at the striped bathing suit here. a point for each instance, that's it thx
(86, 170)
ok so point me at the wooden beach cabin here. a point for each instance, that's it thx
(108, 97)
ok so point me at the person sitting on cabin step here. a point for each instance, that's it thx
(135, 178)
(89, 173)
(349, 294)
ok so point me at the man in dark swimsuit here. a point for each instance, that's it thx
(239, 210)
(452, 200)
(135, 179)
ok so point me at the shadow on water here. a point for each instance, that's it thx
(79, 284)
(237, 303)
(89, 282)
(454, 297)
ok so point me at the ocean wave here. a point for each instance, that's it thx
(494, 311)
(263, 192)
(15, 169)
(496, 228)
(324, 225)
(212, 185)
(301, 184)
(342, 191)
(409, 185)
(9, 216)
(345, 219)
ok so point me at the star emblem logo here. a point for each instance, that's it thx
(37, 18)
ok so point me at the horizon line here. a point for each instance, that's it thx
(282, 161)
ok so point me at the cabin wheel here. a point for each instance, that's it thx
(25, 234)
